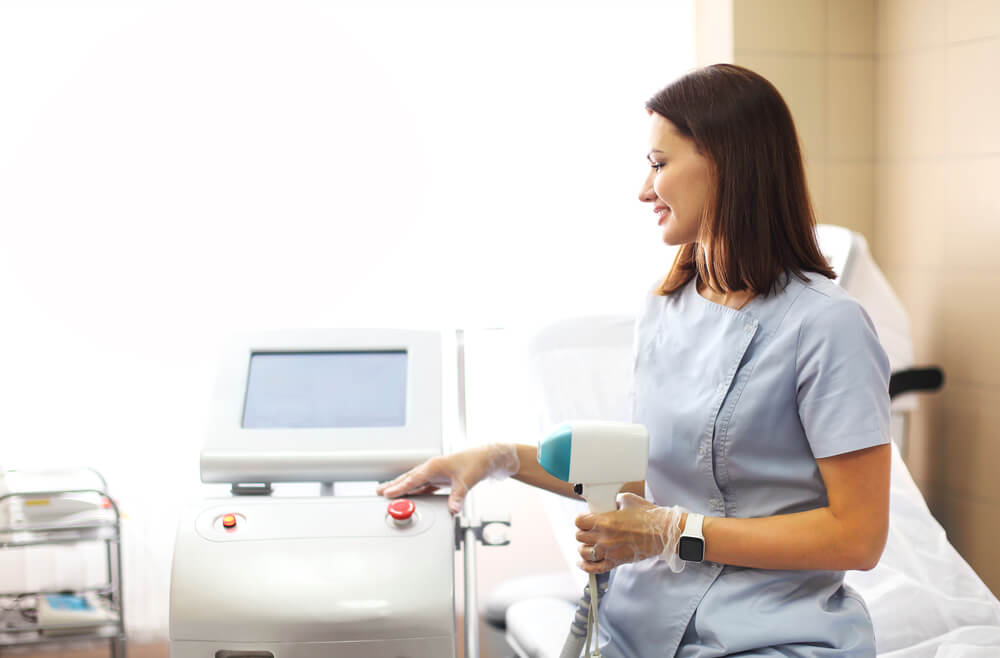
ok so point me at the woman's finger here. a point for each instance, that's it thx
(595, 567)
(390, 488)
(457, 496)
(423, 491)
(380, 489)
(404, 484)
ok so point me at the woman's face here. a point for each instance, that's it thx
(678, 183)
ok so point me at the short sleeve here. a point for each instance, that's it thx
(842, 377)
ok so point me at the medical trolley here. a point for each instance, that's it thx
(31, 518)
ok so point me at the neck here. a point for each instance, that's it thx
(736, 299)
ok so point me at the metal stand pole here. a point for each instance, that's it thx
(471, 520)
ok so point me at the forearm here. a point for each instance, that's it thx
(816, 539)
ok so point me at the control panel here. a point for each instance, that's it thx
(258, 520)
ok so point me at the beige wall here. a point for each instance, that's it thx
(821, 56)
(938, 239)
(897, 103)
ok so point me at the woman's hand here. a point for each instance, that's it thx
(461, 471)
(636, 531)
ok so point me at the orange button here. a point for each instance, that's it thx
(401, 509)
(229, 521)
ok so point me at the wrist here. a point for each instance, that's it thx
(502, 460)
(671, 529)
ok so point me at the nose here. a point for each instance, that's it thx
(646, 194)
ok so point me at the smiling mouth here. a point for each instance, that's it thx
(662, 213)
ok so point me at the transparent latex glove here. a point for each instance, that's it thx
(637, 530)
(461, 471)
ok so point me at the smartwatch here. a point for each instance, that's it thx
(691, 547)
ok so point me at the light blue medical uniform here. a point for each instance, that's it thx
(739, 405)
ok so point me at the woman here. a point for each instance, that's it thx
(765, 392)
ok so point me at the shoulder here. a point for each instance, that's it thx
(819, 303)
(649, 305)
(832, 326)
(818, 317)
(654, 299)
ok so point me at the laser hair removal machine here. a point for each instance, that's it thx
(261, 575)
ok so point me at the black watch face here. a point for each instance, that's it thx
(691, 549)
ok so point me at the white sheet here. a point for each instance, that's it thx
(925, 600)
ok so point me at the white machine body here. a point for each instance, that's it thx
(266, 576)
(313, 577)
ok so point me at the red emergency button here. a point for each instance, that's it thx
(401, 509)
(229, 521)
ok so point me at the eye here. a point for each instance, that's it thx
(657, 165)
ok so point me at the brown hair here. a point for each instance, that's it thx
(758, 220)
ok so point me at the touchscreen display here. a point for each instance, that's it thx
(326, 390)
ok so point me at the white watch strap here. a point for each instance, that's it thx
(692, 527)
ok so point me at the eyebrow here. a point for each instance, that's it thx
(656, 151)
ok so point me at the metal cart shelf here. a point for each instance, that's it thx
(18, 629)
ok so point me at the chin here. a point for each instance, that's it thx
(672, 240)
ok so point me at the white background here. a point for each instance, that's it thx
(171, 172)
